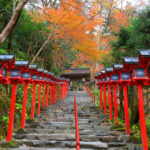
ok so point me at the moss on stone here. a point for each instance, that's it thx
(119, 129)
(72, 127)
(21, 131)
(125, 147)
(31, 120)
(115, 126)
(135, 139)
(107, 120)
(10, 144)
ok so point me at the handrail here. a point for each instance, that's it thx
(76, 124)
(91, 95)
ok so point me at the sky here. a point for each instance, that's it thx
(139, 2)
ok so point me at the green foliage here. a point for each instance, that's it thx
(3, 51)
(135, 129)
(120, 122)
(4, 122)
(130, 39)
(148, 127)
(10, 144)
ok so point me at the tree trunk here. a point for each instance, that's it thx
(13, 20)
(10, 41)
(133, 102)
(42, 47)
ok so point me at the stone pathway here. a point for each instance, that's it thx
(54, 128)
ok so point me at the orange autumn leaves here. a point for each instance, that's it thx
(71, 23)
(83, 60)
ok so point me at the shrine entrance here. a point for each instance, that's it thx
(79, 77)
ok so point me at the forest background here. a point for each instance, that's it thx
(57, 35)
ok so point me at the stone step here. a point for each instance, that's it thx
(56, 148)
(54, 128)
(48, 137)
(64, 144)
(66, 136)
(93, 137)
(66, 126)
(49, 131)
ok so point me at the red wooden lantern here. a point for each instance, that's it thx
(6, 62)
(26, 78)
(40, 81)
(108, 81)
(48, 85)
(52, 89)
(58, 84)
(144, 59)
(15, 78)
(44, 83)
(124, 80)
(99, 82)
(34, 80)
(138, 75)
(103, 82)
(115, 82)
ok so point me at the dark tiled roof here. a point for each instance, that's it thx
(32, 66)
(45, 71)
(118, 66)
(21, 63)
(40, 70)
(131, 60)
(145, 53)
(77, 71)
(49, 73)
(103, 71)
(6, 57)
(109, 69)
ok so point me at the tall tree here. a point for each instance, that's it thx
(11, 24)
(75, 24)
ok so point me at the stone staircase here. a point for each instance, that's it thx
(54, 128)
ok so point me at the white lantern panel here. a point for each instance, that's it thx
(40, 78)
(115, 77)
(34, 76)
(108, 78)
(139, 72)
(14, 73)
(125, 76)
(26, 75)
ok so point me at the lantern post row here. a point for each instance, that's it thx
(20, 72)
(133, 72)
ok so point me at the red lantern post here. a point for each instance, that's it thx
(138, 74)
(108, 81)
(34, 77)
(48, 88)
(6, 63)
(40, 78)
(114, 81)
(58, 91)
(103, 82)
(15, 78)
(26, 78)
(125, 80)
(44, 83)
